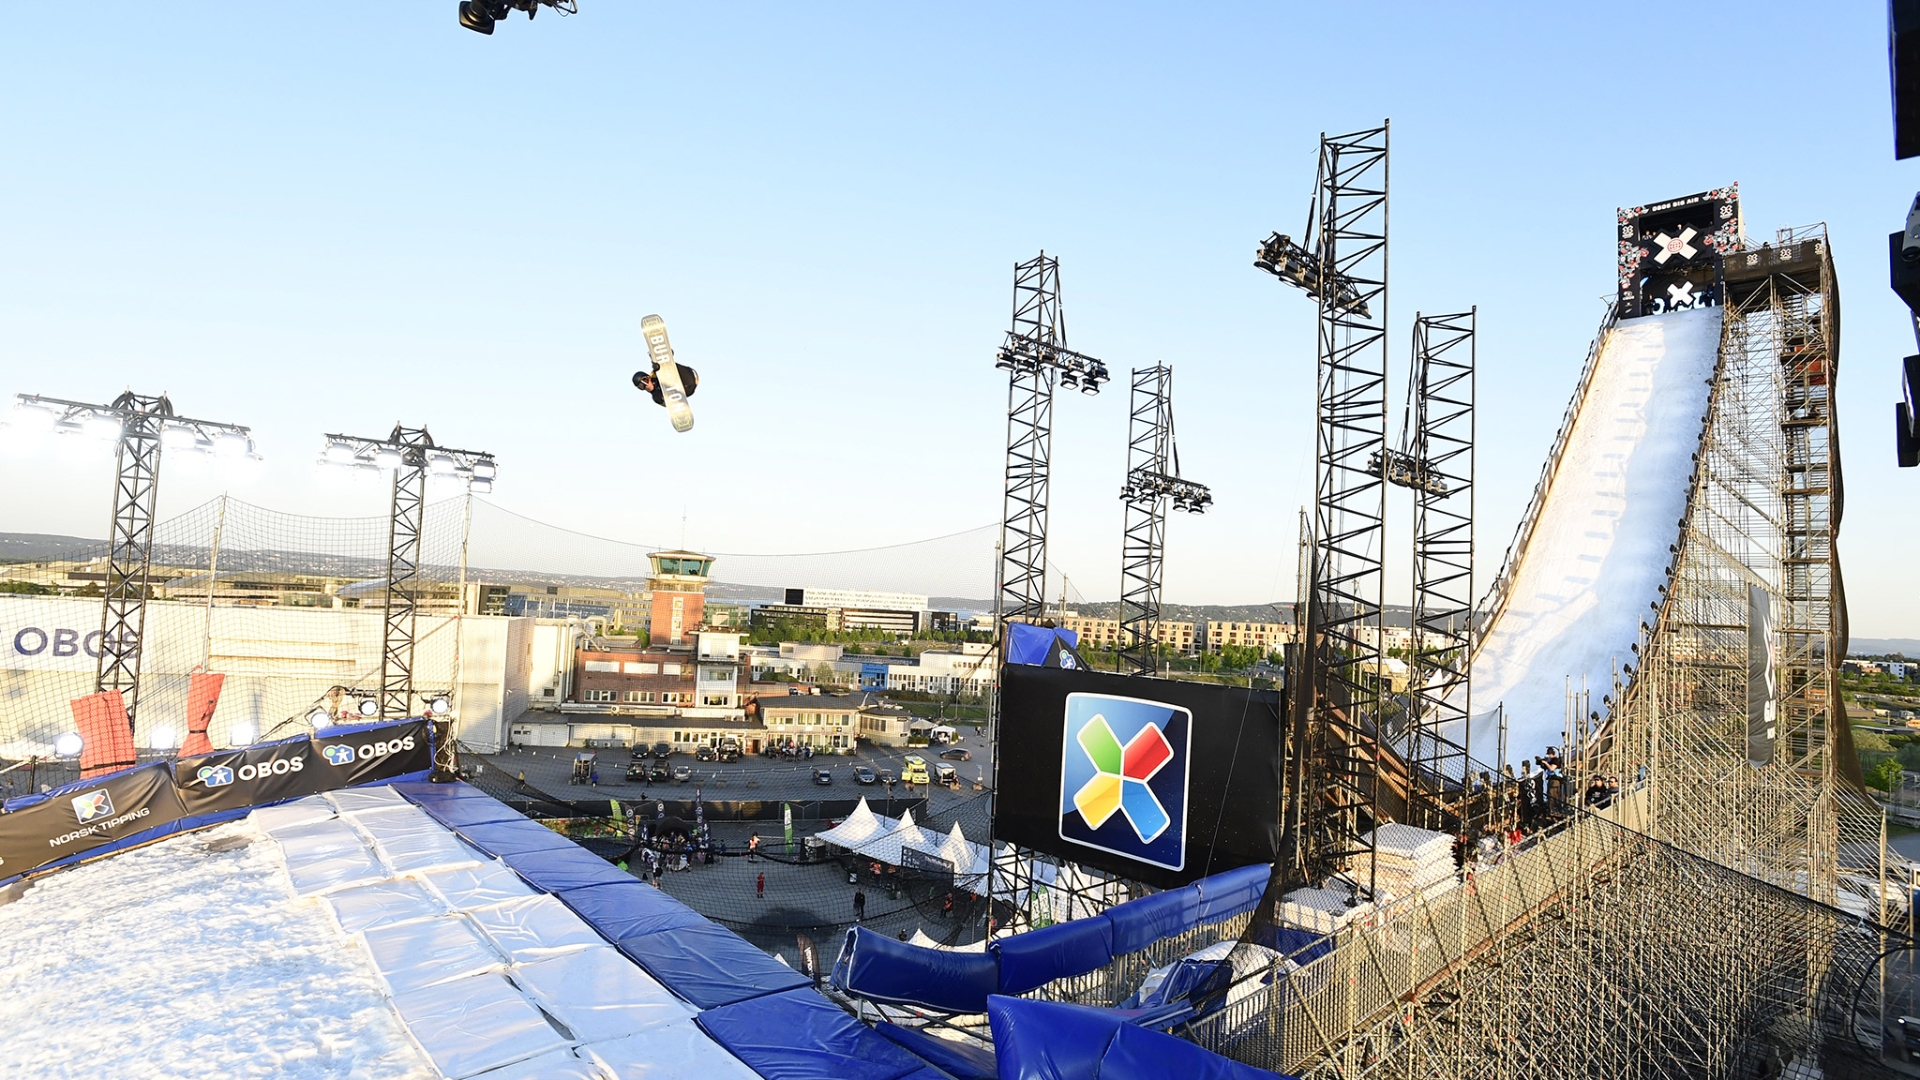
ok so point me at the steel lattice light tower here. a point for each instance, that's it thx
(410, 453)
(1333, 740)
(1153, 481)
(1035, 355)
(143, 426)
(1439, 469)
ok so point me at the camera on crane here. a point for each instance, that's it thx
(480, 15)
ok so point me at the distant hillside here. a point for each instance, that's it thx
(35, 547)
(1279, 611)
(1883, 646)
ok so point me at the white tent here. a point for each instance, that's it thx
(859, 829)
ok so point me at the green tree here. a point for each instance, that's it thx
(1886, 775)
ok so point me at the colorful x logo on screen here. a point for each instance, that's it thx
(1120, 778)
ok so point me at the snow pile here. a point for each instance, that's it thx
(191, 957)
(1599, 549)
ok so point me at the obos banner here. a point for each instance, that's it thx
(1157, 780)
(270, 773)
(46, 829)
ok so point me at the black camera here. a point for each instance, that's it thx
(480, 15)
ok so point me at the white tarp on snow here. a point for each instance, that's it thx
(189, 957)
(600, 994)
(474, 1024)
(534, 928)
(1597, 556)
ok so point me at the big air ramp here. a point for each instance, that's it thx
(1592, 565)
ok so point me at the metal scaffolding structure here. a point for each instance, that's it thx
(1034, 356)
(1153, 481)
(1592, 950)
(142, 425)
(1440, 472)
(410, 454)
(1333, 735)
(1768, 787)
(1727, 913)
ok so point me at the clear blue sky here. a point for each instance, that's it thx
(310, 218)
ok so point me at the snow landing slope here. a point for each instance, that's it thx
(189, 958)
(1597, 557)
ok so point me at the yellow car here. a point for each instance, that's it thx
(915, 771)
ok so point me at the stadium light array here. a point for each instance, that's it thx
(69, 744)
(475, 468)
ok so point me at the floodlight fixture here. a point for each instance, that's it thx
(442, 464)
(162, 739)
(241, 733)
(387, 459)
(320, 717)
(144, 426)
(483, 469)
(68, 744)
(439, 705)
(369, 707)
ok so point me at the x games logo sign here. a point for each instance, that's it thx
(1124, 767)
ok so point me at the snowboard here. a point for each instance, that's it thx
(654, 329)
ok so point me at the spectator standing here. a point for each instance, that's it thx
(859, 906)
(760, 885)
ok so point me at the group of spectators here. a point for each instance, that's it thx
(1543, 794)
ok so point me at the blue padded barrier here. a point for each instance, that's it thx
(1139, 923)
(509, 838)
(1045, 1040)
(624, 909)
(569, 867)
(799, 1035)
(879, 968)
(710, 966)
(1038, 957)
(960, 1060)
(1223, 896)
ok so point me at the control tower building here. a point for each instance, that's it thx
(678, 595)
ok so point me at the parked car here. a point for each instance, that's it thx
(637, 770)
(658, 774)
(886, 776)
(662, 750)
(682, 773)
(957, 755)
(638, 752)
(705, 753)
(823, 776)
(729, 751)
(946, 775)
(864, 774)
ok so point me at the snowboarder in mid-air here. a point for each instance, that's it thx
(669, 383)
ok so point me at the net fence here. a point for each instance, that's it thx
(290, 609)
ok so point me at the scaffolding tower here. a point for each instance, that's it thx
(1440, 472)
(141, 425)
(1034, 356)
(1153, 482)
(1333, 734)
(411, 455)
